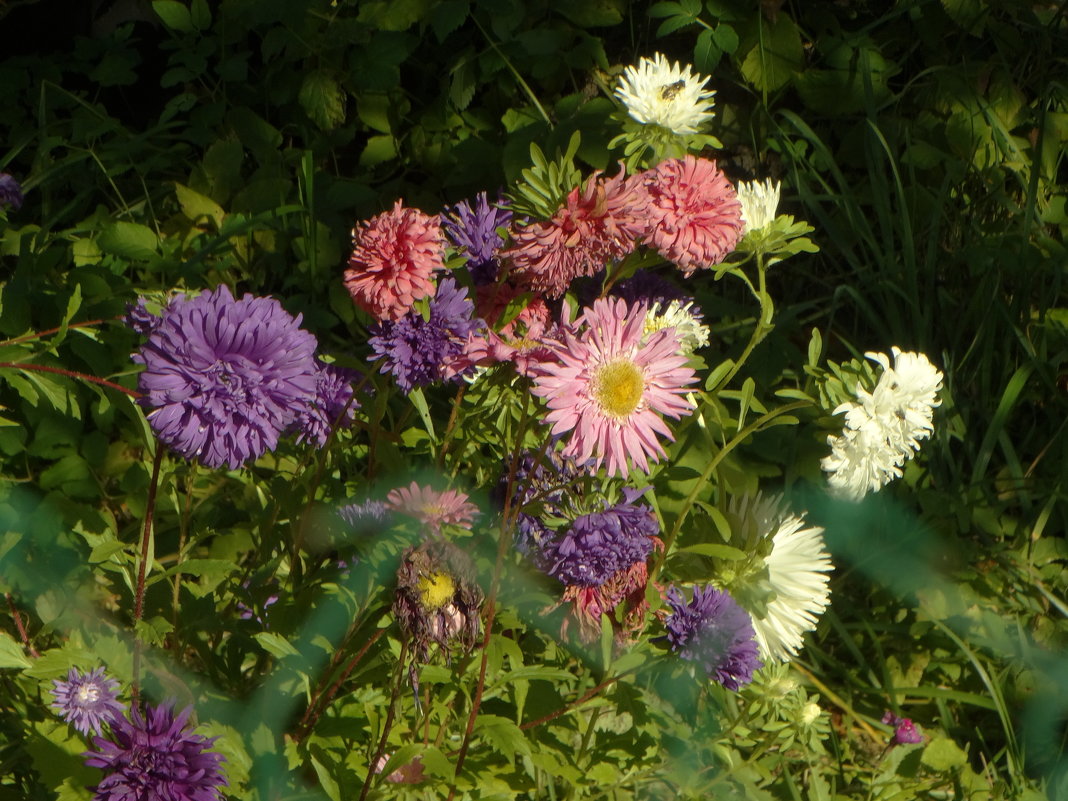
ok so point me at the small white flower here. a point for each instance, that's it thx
(661, 92)
(797, 572)
(689, 330)
(759, 202)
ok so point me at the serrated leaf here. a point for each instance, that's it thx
(502, 735)
(11, 653)
(706, 53)
(447, 16)
(174, 15)
(129, 240)
(323, 100)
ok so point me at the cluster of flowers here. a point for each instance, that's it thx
(153, 754)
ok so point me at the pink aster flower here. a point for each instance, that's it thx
(600, 223)
(393, 259)
(432, 508)
(610, 388)
(695, 214)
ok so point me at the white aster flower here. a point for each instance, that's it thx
(797, 574)
(689, 330)
(759, 203)
(661, 92)
(884, 427)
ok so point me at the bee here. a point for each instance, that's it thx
(670, 91)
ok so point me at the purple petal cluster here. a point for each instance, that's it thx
(474, 231)
(418, 351)
(333, 395)
(647, 288)
(537, 481)
(904, 730)
(714, 631)
(10, 192)
(140, 319)
(599, 545)
(88, 701)
(156, 757)
(366, 517)
(224, 378)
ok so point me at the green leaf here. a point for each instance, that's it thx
(592, 13)
(323, 100)
(200, 15)
(129, 240)
(276, 645)
(196, 206)
(776, 58)
(418, 400)
(447, 16)
(502, 735)
(943, 754)
(714, 550)
(379, 150)
(174, 15)
(11, 653)
(706, 53)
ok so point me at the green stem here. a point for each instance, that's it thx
(763, 327)
(142, 568)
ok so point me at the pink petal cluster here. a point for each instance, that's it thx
(609, 388)
(602, 222)
(695, 215)
(394, 257)
(432, 508)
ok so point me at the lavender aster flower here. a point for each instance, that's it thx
(715, 632)
(366, 517)
(156, 757)
(599, 545)
(474, 231)
(418, 351)
(88, 701)
(333, 393)
(10, 192)
(140, 319)
(224, 378)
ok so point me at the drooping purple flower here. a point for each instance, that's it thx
(224, 378)
(10, 192)
(140, 319)
(366, 517)
(904, 730)
(333, 393)
(156, 758)
(418, 352)
(542, 480)
(645, 287)
(474, 231)
(600, 544)
(88, 701)
(714, 631)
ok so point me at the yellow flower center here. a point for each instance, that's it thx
(618, 388)
(435, 590)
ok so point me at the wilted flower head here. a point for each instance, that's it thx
(225, 378)
(432, 508)
(904, 730)
(695, 216)
(333, 395)
(660, 92)
(759, 202)
(609, 388)
(393, 260)
(626, 587)
(715, 632)
(474, 232)
(419, 352)
(88, 701)
(10, 192)
(601, 223)
(156, 757)
(438, 598)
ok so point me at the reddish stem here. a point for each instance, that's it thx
(42, 368)
(568, 707)
(20, 626)
(39, 334)
(319, 705)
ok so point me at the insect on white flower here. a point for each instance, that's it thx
(661, 92)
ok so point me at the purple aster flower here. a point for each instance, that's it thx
(10, 192)
(88, 701)
(599, 545)
(156, 758)
(418, 352)
(714, 631)
(333, 393)
(648, 288)
(904, 730)
(537, 482)
(474, 231)
(140, 319)
(224, 378)
(366, 517)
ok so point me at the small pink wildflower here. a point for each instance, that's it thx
(904, 730)
(609, 388)
(434, 509)
(600, 223)
(393, 260)
(695, 214)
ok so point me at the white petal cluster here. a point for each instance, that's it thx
(884, 427)
(661, 92)
(797, 572)
(759, 203)
(689, 330)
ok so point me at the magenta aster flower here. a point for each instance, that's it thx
(609, 389)
(88, 701)
(602, 222)
(432, 508)
(695, 214)
(904, 730)
(394, 257)
(712, 630)
(474, 232)
(333, 395)
(156, 758)
(225, 378)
